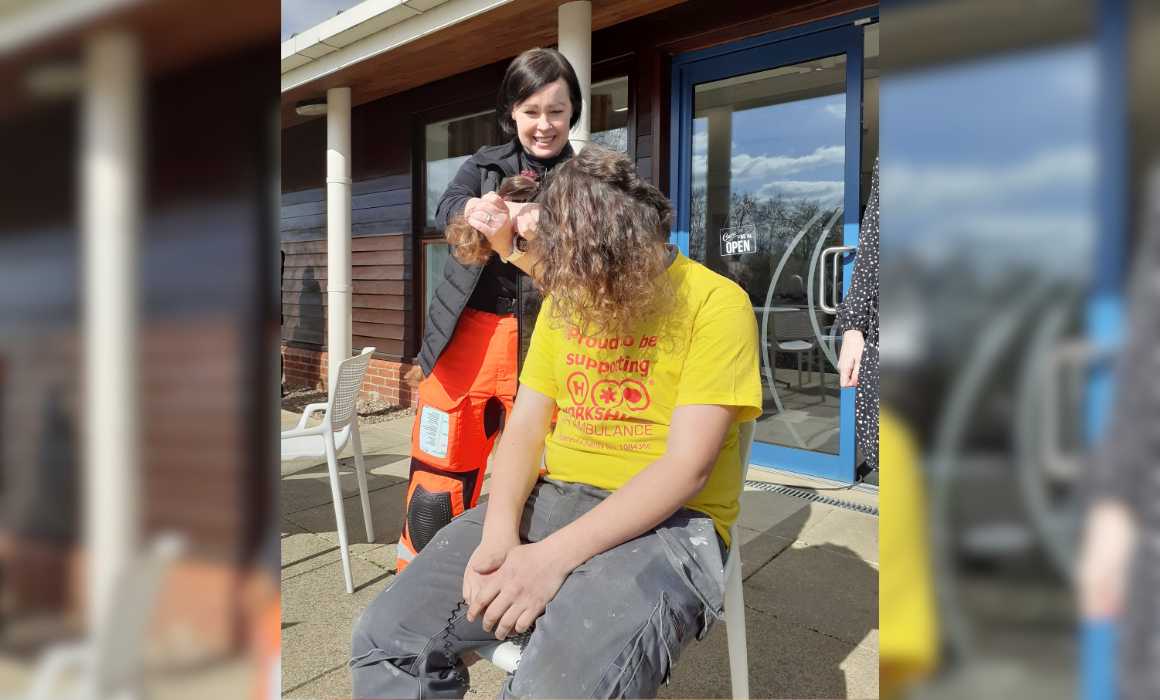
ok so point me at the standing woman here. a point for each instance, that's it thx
(470, 347)
(858, 318)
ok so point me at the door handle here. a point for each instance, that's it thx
(1073, 356)
(836, 251)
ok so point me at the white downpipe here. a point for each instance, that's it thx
(110, 180)
(575, 42)
(338, 273)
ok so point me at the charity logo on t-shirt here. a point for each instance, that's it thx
(609, 388)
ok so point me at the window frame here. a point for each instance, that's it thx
(421, 234)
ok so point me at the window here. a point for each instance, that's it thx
(609, 124)
(449, 144)
(435, 253)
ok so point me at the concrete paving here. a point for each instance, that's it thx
(229, 679)
(810, 572)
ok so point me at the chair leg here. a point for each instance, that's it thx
(735, 631)
(799, 359)
(819, 356)
(363, 491)
(339, 512)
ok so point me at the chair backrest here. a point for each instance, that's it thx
(792, 325)
(345, 386)
(119, 644)
(745, 444)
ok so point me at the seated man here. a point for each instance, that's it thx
(614, 558)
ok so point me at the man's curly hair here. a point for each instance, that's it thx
(601, 243)
(469, 246)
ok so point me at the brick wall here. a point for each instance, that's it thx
(305, 368)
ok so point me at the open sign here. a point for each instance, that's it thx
(739, 240)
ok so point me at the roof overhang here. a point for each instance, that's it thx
(172, 35)
(23, 23)
(371, 28)
(405, 50)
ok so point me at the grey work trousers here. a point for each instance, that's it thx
(614, 629)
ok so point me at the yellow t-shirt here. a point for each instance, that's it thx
(616, 395)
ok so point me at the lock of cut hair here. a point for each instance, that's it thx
(471, 247)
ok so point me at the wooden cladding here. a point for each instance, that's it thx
(380, 299)
(378, 206)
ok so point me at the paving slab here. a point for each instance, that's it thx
(785, 661)
(318, 616)
(765, 510)
(310, 485)
(759, 549)
(828, 592)
(305, 552)
(386, 514)
(396, 466)
(845, 532)
(15, 674)
(228, 680)
(861, 669)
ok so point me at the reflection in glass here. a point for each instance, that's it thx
(449, 144)
(435, 253)
(768, 181)
(609, 126)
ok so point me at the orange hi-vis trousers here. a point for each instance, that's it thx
(462, 406)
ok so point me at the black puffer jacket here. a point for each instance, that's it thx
(482, 173)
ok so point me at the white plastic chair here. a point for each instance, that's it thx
(793, 332)
(327, 439)
(506, 655)
(108, 664)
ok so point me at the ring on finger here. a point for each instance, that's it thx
(488, 219)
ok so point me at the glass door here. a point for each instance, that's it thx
(768, 156)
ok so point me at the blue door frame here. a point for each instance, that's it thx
(831, 37)
(1105, 305)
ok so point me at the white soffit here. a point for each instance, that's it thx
(23, 22)
(368, 29)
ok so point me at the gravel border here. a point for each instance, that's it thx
(369, 411)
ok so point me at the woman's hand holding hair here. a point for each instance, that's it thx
(489, 216)
(489, 203)
(525, 218)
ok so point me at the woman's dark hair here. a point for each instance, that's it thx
(529, 72)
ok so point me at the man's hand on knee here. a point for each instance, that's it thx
(481, 568)
(513, 597)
